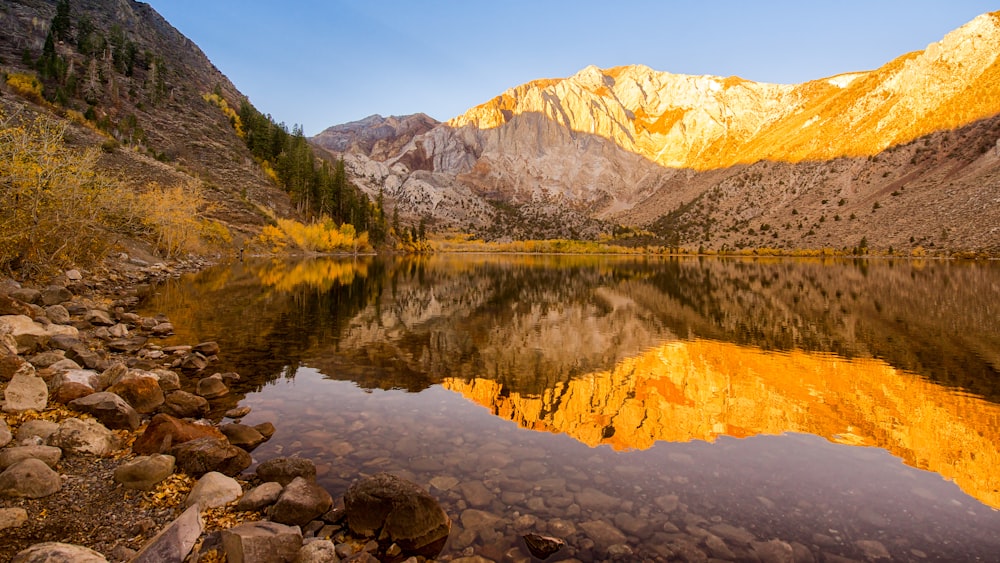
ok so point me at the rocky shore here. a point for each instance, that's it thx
(106, 455)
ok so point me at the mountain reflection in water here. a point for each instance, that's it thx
(627, 352)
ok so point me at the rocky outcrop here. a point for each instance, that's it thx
(375, 136)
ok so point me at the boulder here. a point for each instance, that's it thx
(243, 436)
(108, 408)
(168, 380)
(259, 497)
(212, 490)
(399, 510)
(144, 472)
(266, 429)
(163, 329)
(318, 551)
(55, 552)
(10, 362)
(76, 436)
(5, 435)
(206, 348)
(185, 405)
(29, 335)
(26, 391)
(212, 387)
(543, 547)
(285, 469)
(62, 365)
(27, 295)
(83, 356)
(98, 317)
(45, 359)
(165, 432)
(300, 502)
(11, 306)
(29, 478)
(143, 393)
(238, 412)
(112, 375)
(86, 377)
(48, 454)
(174, 542)
(55, 294)
(57, 314)
(261, 542)
(202, 455)
(38, 427)
(69, 392)
(12, 518)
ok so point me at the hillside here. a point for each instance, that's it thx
(903, 156)
(130, 82)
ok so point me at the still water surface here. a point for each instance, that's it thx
(653, 409)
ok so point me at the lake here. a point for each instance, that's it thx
(640, 408)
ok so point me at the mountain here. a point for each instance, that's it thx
(127, 80)
(377, 136)
(905, 155)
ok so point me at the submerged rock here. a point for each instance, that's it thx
(543, 547)
(285, 469)
(402, 511)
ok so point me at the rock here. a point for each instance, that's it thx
(12, 518)
(69, 392)
(29, 335)
(603, 533)
(98, 317)
(542, 547)
(185, 405)
(165, 432)
(73, 275)
(38, 427)
(27, 295)
(206, 349)
(774, 550)
(593, 499)
(55, 294)
(55, 552)
(163, 329)
(5, 435)
(29, 478)
(143, 393)
(64, 364)
(319, 551)
(300, 501)
(144, 472)
(129, 345)
(83, 356)
(110, 409)
(873, 550)
(168, 380)
(732, 534)
(48, 454)
(285, 469)
(174, 542)
(76, 436)
(115, 373)
(211, 387)
(476, 494)
(238, 412)
(119, 330)
(243, 436)
(87, 377)
(266, 429)
(405, 514)
(261, 542)
(58, 314)
(202, 455)
(11, 306)
(45, 359)
(25, 391)
(10, 363)
(260, 497)
(214, 489)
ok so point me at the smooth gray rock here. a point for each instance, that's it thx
(37, 427)
(48, 454)
(300, 502)
(29, 478)
(400, 510)
(26, 391)
(77, 436)
(55, 552)
(174, 542)
(12, 517)
(285, 469)
(108, 408)
(261, 542)
(214, 489)
(144, 472)
(260, 497)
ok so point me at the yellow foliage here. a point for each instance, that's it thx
(322, 236)
(229, 112)
(321, 273)
(172, 214)
(26, 85)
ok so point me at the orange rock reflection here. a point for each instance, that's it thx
(701, 389)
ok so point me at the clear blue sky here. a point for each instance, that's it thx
(323, 62)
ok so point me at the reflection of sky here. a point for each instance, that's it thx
(782, 485)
